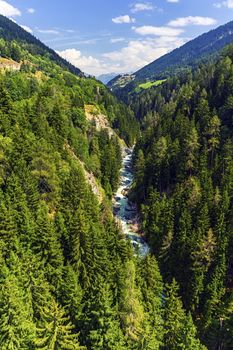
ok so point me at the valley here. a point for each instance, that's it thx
(116, 202)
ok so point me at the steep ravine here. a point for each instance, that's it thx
(124, 210)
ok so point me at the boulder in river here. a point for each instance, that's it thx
(125, 192)
(134, 227)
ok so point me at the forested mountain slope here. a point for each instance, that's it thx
(68, 277)
(184, 187)
(202, 48)
(11, 32)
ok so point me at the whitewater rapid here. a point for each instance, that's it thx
(124, 210)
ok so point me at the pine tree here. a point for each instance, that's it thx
(17, 330)
(80, 250)
(151, 286)
(174, 317)
(101, 327)
(131, 309)
(189, 340)
(71, 293)
(55, 331)
(8, 230)
(180, 331)
(139, 168)
(46, 244)
(22, 215)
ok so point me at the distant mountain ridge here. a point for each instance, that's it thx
(11, 31)
(188, 55)
(105, 78)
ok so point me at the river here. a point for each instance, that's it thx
(124, 210)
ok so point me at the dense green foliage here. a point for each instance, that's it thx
(68, 277)
(63, 259)
(183, 185)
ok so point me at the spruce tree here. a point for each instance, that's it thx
(55, 331)
(17, 329)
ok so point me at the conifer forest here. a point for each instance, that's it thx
(73, 275)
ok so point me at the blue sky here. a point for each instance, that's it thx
(105, 36)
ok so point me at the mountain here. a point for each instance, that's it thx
(10, 31)
(187, 56)
(69, 277)
(105, 78)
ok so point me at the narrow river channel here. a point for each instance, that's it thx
(124, 210)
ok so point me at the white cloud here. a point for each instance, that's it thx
(69, 31)
(28, 29)
(117, 40)
(173, 1)
(227, 3)
(85, 42)
(31, 10)
(87, 64)
(123, 19)
(48, 31)
(192, 20)
(142, 6)
(157, 31)
(8, 10)
(142, 51)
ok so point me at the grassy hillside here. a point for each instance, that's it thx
(149, 84)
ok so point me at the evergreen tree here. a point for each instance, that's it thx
(55, 331)
(17, 328)
(47, 245)
(180, 332)
(131, 310)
